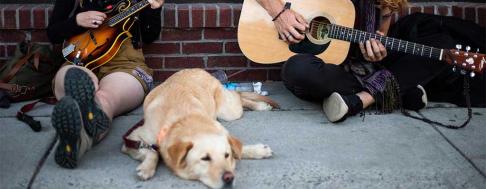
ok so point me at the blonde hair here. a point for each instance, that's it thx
(394, 5)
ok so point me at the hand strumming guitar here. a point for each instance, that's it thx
(290, 24)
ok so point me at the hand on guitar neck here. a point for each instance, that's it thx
(90, 19)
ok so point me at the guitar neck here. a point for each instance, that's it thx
(356, 36)
(127, 13)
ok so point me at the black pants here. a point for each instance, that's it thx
(309, 78)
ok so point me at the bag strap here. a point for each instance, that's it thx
(33, 124)
(19, 65)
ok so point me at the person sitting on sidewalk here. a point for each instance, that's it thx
(88, 101)
(347, 89)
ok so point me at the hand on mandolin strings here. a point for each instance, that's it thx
(373, 50)
(155, 4)
(291, 26)
(90, 19)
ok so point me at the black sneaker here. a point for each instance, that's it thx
(337, 108)
(73, 140)
(79, 85)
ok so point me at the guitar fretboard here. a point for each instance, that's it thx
(357, 36)
(133, 9)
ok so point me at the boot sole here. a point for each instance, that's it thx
(66, 119)
(335, 108)
(79, 85)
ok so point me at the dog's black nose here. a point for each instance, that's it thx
(228, 178)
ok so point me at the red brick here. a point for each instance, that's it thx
(161, 75)
(169, 15)
(232, 47)
(10, 50)
(210, 15)
(11, 36)
(220, 33)
(225, 19)
(10, 17)
(197, 15)
(470, 13)
(482, 16)
(206, 47)
(248, 75)
(183, 15)
(415, 9)
(274, 75)
(162, 48)
(181, 34)
(257, 65)
(2, 51)
(443, 10)
(39, 17)
(404, 12)
(429, 10)
(227, 61)
(24, 17)
(236, 14)
(457, 11)
(184, 62)
(39, 36)
(154, 62)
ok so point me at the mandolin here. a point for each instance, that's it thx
(97, 46)
(330, 34)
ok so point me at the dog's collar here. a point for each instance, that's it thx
(138, 144)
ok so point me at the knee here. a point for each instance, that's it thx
(296, 67)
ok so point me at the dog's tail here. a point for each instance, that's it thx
(259, 98)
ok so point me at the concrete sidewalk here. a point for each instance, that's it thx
(383, 151)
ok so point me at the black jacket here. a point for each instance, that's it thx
(62, 27)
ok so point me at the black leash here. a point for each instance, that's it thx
(469, 110)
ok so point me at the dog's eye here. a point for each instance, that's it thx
(226, 155)
(206, 158)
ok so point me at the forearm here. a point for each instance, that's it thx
(273, 7)
(60, 25)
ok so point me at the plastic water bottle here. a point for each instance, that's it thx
(242, 87)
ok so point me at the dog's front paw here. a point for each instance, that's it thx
(263, 106)
(145, 173)
(257, 151)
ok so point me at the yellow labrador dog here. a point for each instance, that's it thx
(181, 120)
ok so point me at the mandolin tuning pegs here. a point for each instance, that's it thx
(468, 48)
(472, 74)
(454, 69)
(463, 72)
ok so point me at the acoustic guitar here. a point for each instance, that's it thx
(329, 36)
(96, 47)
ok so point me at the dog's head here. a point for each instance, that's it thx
(207, 156)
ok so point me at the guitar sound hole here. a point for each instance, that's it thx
(316, 40)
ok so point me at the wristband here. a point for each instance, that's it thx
(286, 6)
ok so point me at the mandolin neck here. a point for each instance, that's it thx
(127, 13)
(357, 36)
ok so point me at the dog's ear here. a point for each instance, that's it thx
(178, 152)
(236, 146)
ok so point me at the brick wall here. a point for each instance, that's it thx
(193, 35)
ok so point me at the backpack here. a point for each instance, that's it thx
(28, 75)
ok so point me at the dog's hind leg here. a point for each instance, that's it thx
(256, 151)
(229, 106)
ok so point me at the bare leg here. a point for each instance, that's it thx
(366, 98)
(119, 92)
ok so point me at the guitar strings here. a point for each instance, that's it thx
(410, 46)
